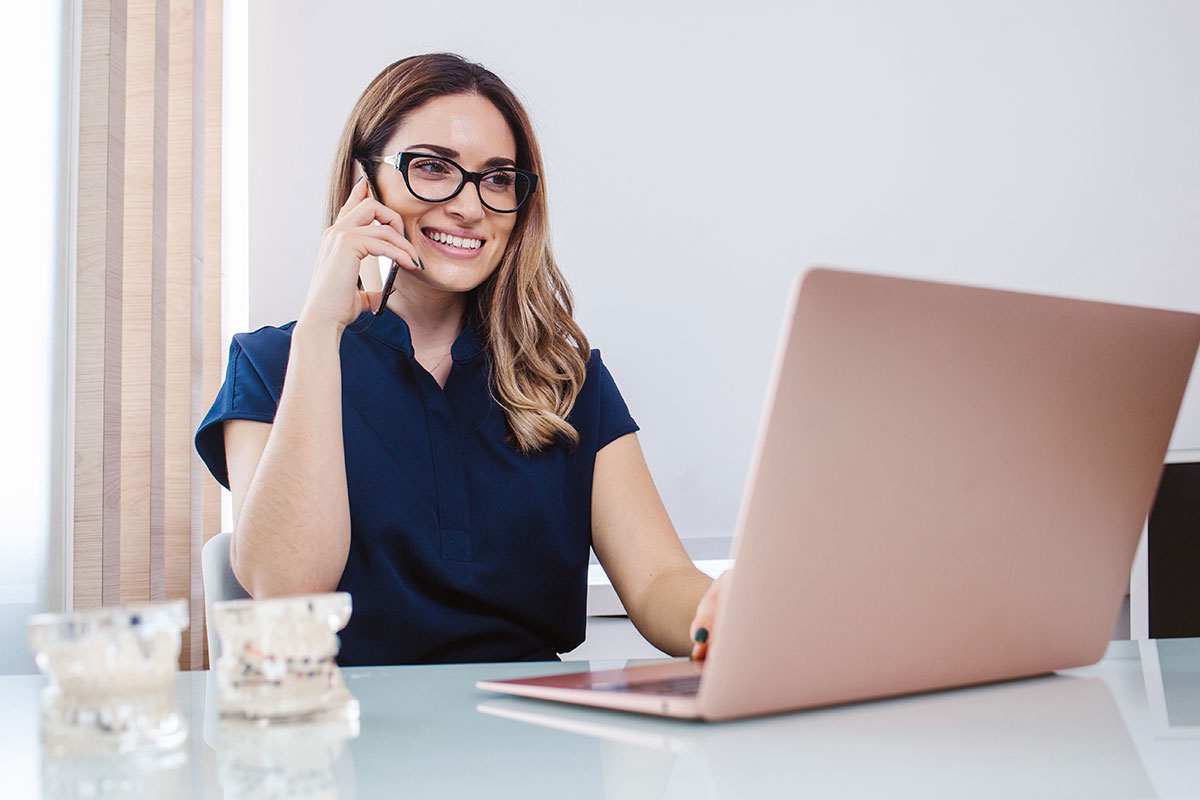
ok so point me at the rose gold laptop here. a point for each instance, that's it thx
(948, 488)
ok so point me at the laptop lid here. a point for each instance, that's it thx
(948, 488)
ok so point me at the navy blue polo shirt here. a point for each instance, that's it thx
(462, 548)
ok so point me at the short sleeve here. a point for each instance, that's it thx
(615, 420)
(253, 384)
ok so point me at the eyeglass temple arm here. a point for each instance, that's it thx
(392, 160)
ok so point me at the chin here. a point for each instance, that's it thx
(457, 277)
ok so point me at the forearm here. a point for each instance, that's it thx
(293, 528)
(665, 610)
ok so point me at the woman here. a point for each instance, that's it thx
(445, 453)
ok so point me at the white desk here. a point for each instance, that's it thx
(1126, 727)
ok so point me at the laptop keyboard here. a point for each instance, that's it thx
(687, 685)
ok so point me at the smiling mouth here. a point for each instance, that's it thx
(462, 243)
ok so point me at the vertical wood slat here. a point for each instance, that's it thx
(207, 523)
(181, 209)
(114, 300)
(145, 189)
(96, 540)
(158, 302)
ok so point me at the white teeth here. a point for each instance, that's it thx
(457, 241)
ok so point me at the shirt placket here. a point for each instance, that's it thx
(450, 474)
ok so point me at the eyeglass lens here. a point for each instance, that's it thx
(434, 180)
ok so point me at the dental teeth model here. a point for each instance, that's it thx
(277, 661)
(111, 674)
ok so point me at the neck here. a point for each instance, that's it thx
(435, 319)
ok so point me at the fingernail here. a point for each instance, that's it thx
(360, 177)
(701, 635)
(421, 264)
(415, 264)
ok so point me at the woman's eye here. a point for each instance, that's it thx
(501, 180)
(431, 169)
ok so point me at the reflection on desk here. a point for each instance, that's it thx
(1057, 736)
(303, 760)
(426, 731)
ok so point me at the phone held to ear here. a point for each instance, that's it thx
(388, 284)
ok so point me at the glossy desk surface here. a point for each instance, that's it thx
(1128, 726)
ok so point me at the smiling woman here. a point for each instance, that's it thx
(461, 242)
(448, 451)
(436, 106)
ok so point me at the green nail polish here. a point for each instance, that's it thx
(701, 635)
(422, 264)
(415, 264)
(360, 177)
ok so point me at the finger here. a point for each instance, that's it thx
(705, 612)
(358, 193)
(369, 241)
(391, 237)
(702, 623)
(371, 209)
(367, 209)
(368, 212)
(385, 213)
(701, 627)
(367, 245)
(390, 217)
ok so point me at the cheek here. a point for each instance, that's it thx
(501, 243)
(395, 195)
(504, 237)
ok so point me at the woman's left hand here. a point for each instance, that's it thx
(701, 629)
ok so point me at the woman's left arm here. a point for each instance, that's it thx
(639, 549)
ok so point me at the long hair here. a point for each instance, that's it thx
(538, 353)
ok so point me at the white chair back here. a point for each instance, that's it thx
(219, 584)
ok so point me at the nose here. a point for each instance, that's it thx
(467, 205)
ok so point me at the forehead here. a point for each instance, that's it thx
(468, 123)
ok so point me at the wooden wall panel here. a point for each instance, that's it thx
(148, 296)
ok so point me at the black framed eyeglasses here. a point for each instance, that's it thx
(436, 179)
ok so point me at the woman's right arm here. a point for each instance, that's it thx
(291, 511)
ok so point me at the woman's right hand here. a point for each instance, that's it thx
(333, 293)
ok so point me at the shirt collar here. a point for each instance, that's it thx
(391, 329)
(469, 343)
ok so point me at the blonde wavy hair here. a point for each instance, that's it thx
(538, 353)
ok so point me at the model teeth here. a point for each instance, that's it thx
(457, 241)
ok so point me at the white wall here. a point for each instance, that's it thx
(34, 73)
(699, 154)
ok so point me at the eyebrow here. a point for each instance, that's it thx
(446, 152)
